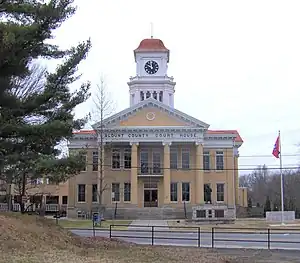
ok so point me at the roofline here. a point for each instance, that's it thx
(145, 102)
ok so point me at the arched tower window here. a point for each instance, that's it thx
(160, 96)
(148, 94)
(154, 95)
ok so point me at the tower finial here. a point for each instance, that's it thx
(151, 24)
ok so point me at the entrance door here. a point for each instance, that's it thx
(150, 198)
(150, 195)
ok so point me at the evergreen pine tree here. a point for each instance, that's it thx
(267, 207)
(33, 121)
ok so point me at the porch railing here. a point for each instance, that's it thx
(147, 170)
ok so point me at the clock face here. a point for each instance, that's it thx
(151, 67)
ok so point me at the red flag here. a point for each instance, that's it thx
(276, 150)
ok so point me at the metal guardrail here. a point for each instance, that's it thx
(215, 231)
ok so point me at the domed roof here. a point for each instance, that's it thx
(151, 44)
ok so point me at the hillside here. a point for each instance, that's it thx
(31, 239)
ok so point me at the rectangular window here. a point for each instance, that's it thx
(83, 156)
(116, 158)
(173, 159)
(174, 192)
(81, 193)
(220, 192)
(127, 158)
(95, 161)
(127, 192)
(185, 157)
(115, 192)
(156, 160)
(219, 160)
(206, 161)
(186, 192)
(144, 157)
(94, 193)
(65, 200)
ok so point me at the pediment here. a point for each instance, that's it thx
(151, 113)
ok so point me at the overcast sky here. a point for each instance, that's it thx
(236, 63)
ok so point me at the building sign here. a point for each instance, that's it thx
(151, 136)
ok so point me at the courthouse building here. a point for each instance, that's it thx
(156, 157)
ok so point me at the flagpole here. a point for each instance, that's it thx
(281, 182)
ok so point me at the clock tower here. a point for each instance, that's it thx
(151, 80)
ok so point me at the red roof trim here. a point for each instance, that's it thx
(85, 132)
(237, 139)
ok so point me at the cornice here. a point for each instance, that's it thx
(151, 82)
(207, 138)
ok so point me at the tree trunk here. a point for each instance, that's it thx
(23, 191)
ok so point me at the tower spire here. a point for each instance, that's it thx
(151, 29)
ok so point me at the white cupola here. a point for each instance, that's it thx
(151, 80)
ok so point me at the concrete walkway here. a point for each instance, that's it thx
(146, 225)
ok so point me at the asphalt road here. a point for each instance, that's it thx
(221, 240)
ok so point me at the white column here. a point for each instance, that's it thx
(167, 172)
(134, 172)
(199, 174)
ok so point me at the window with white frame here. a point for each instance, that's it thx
(95, 161)
(174, 158)
(219, 160)
(220, 192)
(174, 192)
(185, 192)
(185, 159)
(94, 193)
(206, 161)
(127, 158)
(116, 159)
(81, 193)
(127, 192)
(115, 192)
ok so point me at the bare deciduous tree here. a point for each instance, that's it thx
(264, 183)
(32, 83)
(103, 108)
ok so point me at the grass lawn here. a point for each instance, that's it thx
(86, 224)
(240, 225)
